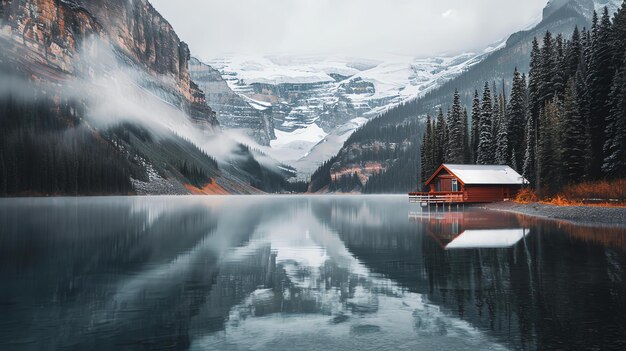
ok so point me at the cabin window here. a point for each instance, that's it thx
(455, 185)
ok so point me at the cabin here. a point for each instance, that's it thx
(470, 184)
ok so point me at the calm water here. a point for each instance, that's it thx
(298, 273)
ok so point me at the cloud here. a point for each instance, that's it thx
(214, 28)
(447, 13)
(116, 93)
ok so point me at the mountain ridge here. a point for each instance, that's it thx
(332, 96)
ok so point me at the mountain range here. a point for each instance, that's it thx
(316, 102)
(102, 97)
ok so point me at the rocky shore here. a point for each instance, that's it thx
(587, 215)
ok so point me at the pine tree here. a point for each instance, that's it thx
(599, 82)
(456, 147)
(475, 134)
(495, 113)
(573, 137)
(618, 36)
(559, 77)
(440, 137)
(548, 70)
(486, 151)
(529, 170)
(502, 156)
(573, 55)
(517, 118)
(534, 78)
(549, 151)
(582, 91)
(513, 160)
(467, 154)
(446, 141)
(427, 152)
(615, 145)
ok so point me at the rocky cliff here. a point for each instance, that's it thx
(44, 38)
(96, 97)
(233, 111)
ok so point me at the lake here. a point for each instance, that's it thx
(302, 273)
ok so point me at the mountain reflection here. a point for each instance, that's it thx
(301, 273)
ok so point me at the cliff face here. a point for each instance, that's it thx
(234, 112)
(45, 37)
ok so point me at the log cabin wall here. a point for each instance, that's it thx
(490, 193)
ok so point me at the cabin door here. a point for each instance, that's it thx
(445, 184)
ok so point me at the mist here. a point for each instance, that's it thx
(115, 93)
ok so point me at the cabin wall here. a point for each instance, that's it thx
(443, 183)
(489, 193)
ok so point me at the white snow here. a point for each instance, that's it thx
(612, 6)
(480, 174)
(279, 70)
(395, 79)
(311, 134)
(259, 105)
(492, 238)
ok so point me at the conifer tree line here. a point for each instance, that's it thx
(563, 123)
(396, 146)
(39, 155)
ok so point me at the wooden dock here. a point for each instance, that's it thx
(436, 198)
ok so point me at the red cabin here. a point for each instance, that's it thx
(470, 184)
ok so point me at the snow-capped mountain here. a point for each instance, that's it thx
(317, 102)
(584, 7)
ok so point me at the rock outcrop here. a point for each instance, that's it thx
(233, 111)
(45, 39)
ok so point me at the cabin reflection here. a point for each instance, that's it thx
(487, 239)
(471, 229)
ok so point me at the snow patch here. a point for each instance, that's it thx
(311, 134)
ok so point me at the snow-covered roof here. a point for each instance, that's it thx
(489, 239)
(481, 174)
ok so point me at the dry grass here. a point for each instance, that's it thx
(558, 200)
(601, 193)
(526, 196)
(609, 191)
(210, 189)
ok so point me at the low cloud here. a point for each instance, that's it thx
(116, 93)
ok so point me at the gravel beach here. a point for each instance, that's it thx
(589, 215)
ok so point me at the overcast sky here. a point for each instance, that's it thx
(421, 28)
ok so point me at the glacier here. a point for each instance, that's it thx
(318, 101)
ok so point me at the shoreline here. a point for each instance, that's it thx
(581, 215)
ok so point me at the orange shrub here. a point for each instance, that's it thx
(525, 196)
(561, 201)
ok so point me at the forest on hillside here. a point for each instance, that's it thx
(564, 123)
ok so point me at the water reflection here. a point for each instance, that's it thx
(487, 239)
(301, 273)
